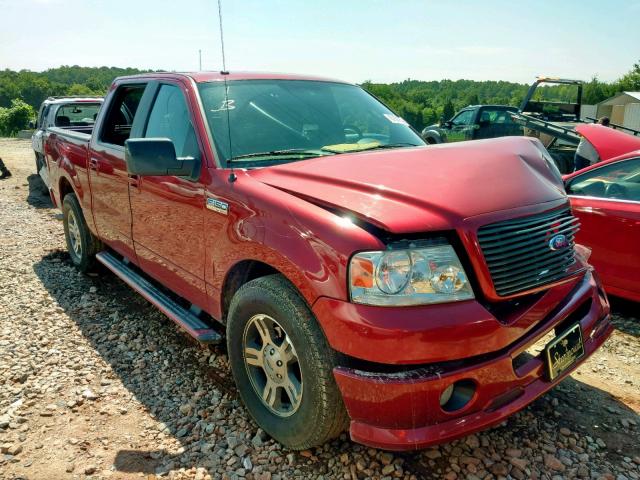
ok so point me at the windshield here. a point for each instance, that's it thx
(277, 121)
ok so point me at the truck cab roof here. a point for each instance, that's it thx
(494, 107)
(218, 76)
(72, 99)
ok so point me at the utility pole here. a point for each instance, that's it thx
(200, 59)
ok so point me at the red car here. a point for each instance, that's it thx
(364, 280)
(606, 199)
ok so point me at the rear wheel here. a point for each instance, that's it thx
(282, 364)
(81, 243)
(39, 163)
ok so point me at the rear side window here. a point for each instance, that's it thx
(117, 126)
(169, 118)
(489, 115)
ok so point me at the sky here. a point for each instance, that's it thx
(353, 40)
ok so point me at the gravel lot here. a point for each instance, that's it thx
(94, 382)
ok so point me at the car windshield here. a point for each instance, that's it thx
(267, 122)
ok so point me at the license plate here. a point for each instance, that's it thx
(563, 351)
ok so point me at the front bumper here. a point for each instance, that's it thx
(400, 411)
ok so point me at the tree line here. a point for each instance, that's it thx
(22, 92)
(424, 103)
(421, 103)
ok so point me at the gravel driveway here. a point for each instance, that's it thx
(94, 382)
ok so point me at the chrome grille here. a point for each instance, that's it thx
(518, 252)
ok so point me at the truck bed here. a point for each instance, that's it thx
(77, 128)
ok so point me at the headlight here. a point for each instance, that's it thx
(414, 275)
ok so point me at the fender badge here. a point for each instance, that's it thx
(218, 206)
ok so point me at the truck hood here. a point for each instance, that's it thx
(426, 188)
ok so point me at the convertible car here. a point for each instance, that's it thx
(606, 198)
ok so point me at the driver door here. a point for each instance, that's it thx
(607, 202)
(168, 211)
(461, 126)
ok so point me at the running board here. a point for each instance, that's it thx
(180, 315)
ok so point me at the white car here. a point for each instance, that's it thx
(71, 113)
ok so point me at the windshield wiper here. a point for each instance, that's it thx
(281, 153)
(372, 147)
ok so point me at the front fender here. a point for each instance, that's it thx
(309, 245)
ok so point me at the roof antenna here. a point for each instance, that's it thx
(224, 73)
(224, 63)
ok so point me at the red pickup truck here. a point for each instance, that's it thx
(363, 279)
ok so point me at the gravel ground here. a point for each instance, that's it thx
(95, 383)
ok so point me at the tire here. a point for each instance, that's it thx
(39, 164)
(319, 414)
(81, 243)
(40, 185)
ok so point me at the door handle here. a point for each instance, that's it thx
(93, 164)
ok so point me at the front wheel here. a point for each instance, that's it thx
(282, 364)
(81, 243)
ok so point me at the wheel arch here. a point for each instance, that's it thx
(65, 188)
(240, 273)
(68, 183)
(431, 137)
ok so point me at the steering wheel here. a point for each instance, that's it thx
(615, 190)
(352, 129)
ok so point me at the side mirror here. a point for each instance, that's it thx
(156, 157)
(32, 125)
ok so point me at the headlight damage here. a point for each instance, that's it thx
(412, 275)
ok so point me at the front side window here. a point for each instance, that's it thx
(618, 180)
(117, 126)
(44, 111)
(463, 118)
(169, 118)
(265, 122)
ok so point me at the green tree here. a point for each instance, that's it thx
(429, 116)
(448, 111)
(472, 99)
(594, 92)
(16, 117)
(78, 90)
(631, 81)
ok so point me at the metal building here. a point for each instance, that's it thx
(623, 109)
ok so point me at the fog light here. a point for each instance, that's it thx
(458, 395)
(446, 395)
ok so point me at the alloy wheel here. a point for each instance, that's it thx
(272, 365)
(74, 234)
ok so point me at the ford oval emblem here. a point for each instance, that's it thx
(558, 242)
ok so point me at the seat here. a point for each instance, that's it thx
(63, 121)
